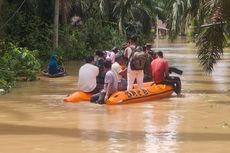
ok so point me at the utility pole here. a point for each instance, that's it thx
(56, 24)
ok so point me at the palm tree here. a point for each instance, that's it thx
(215, 16)
(212, 39)
(120, 10)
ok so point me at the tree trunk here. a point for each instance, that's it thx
(120, 26)
(56, 23)
(65, 6)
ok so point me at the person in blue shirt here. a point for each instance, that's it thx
(53, 67)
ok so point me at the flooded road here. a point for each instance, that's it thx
(34, 118)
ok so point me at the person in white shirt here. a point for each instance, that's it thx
(120, 72)
(87, 76)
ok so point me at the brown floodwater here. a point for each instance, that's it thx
(34, 118)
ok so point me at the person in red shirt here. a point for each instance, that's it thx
(159, 68)
(160, 73)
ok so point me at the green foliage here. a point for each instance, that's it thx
(7, 77)
(77, 42)
(100, 36)
(31, 32)
(19, 62)
(26, 28)
(72, 45)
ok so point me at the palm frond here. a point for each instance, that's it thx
(210, 46)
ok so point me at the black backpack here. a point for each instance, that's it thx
(137, 60)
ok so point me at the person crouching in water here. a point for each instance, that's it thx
(87, 76)
(110, 85)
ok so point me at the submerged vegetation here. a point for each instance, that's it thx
(26, 29)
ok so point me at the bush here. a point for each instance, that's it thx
(72, 45)
(19, 62)
(99, 36)
(7, 78)
(77, 42)
(30, 31)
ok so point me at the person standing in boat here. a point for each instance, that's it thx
(132, 73)
(87, 77)
(110, 85)
(160, 73)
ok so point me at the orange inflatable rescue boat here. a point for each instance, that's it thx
(150, 91)
(140, 95)
(78, 96)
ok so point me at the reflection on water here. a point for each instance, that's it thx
(34, 118)
(160, 131)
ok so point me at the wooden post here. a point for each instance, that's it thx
(56, 24)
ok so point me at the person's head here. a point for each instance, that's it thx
(107, 64)
(125, 45)
(148, 46)
(152, 54)
(99, 53)
(160, 54)
(133, 39)
(119, 59)
(114, 49)
(89, 59)
(53, 57)
(144, 49)
(139, 49)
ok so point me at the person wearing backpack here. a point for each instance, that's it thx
(136, 61)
